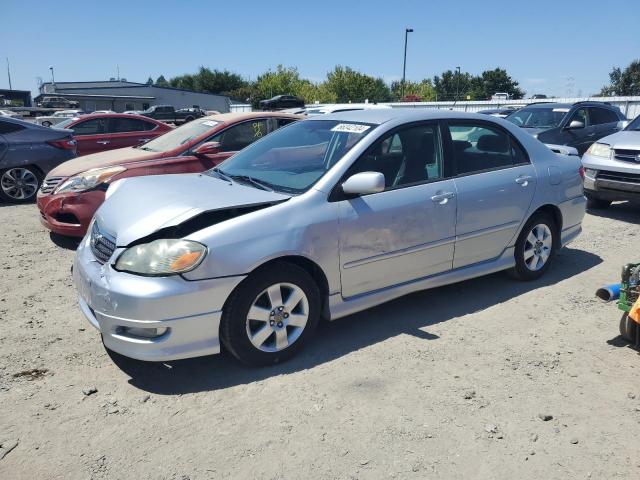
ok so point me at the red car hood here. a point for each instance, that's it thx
(103, 159)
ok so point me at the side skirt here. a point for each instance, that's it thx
(341, 307)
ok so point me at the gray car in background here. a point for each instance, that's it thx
(322, 218)
(27, 153)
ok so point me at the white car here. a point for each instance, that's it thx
(612, 168)
(57, 117)
(9, 113)
(342, 107)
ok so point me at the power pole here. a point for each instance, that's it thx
(407, 31)
(9, 74)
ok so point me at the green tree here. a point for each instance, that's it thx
(624, 82)
(496, 80)
(348, 85)
(451, 86)
(423, 89)
(161, 82)
(150, 81)
(216, 81)
(185, 82)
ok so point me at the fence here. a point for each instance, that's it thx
(629, 106)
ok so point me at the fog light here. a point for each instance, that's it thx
(142, 332)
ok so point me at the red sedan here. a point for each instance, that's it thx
(73, 191)
(98, 132)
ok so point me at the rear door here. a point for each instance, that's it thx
(604, 120)
(91, 135)
(129, 132)
(11, 143)
(495, 183)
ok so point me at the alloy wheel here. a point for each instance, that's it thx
(537, 247)
(19, 183)
(277, 317)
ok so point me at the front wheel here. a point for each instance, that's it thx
(271, 314)
(46, 124)
(535, 248)
(19, 184)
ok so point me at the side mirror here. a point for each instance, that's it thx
(208, 148)
(364, 183)
(575, 124)
(622, 124)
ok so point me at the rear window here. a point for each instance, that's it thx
(9, 127)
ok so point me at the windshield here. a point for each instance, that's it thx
(538, 117)
(634, 125)
(179, 136)
(293, 158)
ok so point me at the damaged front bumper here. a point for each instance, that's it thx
(150, 318)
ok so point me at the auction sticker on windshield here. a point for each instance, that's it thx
(350, 128)
(563, 110)
(210, 123)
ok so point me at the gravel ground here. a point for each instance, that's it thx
(489, 378)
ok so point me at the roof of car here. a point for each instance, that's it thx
(239, 116)
(568, 105)
(383, 115)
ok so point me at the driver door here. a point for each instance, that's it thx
(580, 138)
(407, 231)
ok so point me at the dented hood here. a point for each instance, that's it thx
(138, 207)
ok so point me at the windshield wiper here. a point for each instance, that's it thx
(247, 178)
(222, 175)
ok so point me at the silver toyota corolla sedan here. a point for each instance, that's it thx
(320, 219)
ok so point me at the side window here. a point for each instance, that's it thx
(147, 125)
(242, 135)
(405, 157)
(599, 116)
(94, 126)
(281, 122)
(123, 125)
(8, 127)
(480, 147)
(581, 116)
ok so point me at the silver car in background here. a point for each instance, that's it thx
(320, 219)
(612, 168)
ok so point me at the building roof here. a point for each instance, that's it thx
(61, 87)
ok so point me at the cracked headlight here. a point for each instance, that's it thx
(89, 179)
(600, 150)
(161, 257)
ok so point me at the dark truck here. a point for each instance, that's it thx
(167, 114)
(282, 101)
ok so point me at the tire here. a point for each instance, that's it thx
(46, 124)
(188, 119)
(255, 341)
(594, 203)
(526, 252)
(628, 329)
(19, 184)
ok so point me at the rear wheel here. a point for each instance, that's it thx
(594, 203)
(19, 184)
(271, 315)
(46, 124)
(629, 329)
(535, 248)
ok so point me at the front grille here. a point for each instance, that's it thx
(102, 245)
(619, 176)
(627, 155)
(49, 184)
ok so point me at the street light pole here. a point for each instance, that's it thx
(407, 31)
(458, 84)
(9, 74)
(53, 79)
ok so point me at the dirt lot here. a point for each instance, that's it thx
(448, 383)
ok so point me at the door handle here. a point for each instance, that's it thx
(442, 197)
(524, 180)
(103, 142)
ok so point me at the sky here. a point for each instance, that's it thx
(558, 47)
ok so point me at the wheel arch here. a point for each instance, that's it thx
(554, 212)
(309, 266)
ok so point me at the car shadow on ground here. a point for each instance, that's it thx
(628, 212)
(68, 243)
(410, 315)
